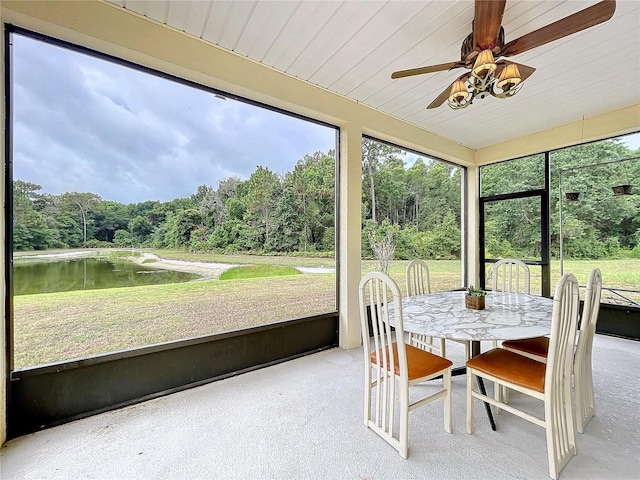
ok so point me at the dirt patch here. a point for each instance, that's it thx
(207, 270)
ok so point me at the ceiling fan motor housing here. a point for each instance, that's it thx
(468, 54)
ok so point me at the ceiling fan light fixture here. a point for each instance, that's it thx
(487, 39)
(484, 65)
(459, 93)
(509, 77)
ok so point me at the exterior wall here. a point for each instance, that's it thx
(619, 122)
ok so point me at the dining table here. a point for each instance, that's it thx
(506, 316)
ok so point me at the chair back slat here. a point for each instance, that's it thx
(417, 278)
(582, 369)
(385, 305)
(557, 389)
(511, 275)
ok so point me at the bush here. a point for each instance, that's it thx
(98, 244)
(122, 238)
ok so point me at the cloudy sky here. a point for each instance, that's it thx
(87, 125)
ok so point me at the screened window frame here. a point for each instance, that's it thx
(545, 225)
(545, 198)
(464, 200)
(9, 31)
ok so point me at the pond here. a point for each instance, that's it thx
(33, 277)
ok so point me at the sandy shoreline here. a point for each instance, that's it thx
(207, 270)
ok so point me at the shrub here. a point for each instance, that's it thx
(98, 244)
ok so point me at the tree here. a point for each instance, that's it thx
(30, 228)
(375, 153)
(262, 196)
(110, 217)
(83, 202)
(308, 201)
(383, 249)
(227, 188)
(210, 205)
(139, 228)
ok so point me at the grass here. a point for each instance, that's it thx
(257, 271)
(91, 322)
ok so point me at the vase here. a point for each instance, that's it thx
(475, 303)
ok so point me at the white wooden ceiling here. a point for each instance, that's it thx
(352, 47)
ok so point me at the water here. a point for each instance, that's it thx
(88, 274)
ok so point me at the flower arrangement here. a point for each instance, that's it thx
(475, 298)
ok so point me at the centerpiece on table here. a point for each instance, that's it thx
(474, 298)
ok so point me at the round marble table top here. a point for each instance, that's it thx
(507, 316)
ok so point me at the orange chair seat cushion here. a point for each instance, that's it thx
(536, 346)
(511, 367)
(419, 362)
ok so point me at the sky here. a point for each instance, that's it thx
(88, 125)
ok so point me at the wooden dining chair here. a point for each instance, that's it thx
(537, 348)
(392, 366)
(511, 275)
(419, 283)
(548, 382)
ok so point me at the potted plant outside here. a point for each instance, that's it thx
(621, 190)
(474, 298)
(572, 196)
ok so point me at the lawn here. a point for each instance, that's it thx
(61, 326)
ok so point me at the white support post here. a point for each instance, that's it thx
(471, 226)
(350, 246)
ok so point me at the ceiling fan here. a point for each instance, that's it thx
(485, 44)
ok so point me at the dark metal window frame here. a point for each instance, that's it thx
(47, 395)
(614, 320)
(545, 225)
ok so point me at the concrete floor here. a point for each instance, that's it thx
(303, 420)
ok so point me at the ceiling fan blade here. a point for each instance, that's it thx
(486, 23)
(430, 69)
(440, 99)
(589, 17)
(525, 70)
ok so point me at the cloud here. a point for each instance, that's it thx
(89, 125)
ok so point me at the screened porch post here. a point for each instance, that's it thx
(471, 226)
(349, 243)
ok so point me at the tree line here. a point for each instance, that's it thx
(419, 205)
(598, 224)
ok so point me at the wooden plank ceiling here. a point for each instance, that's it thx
(352, 47)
